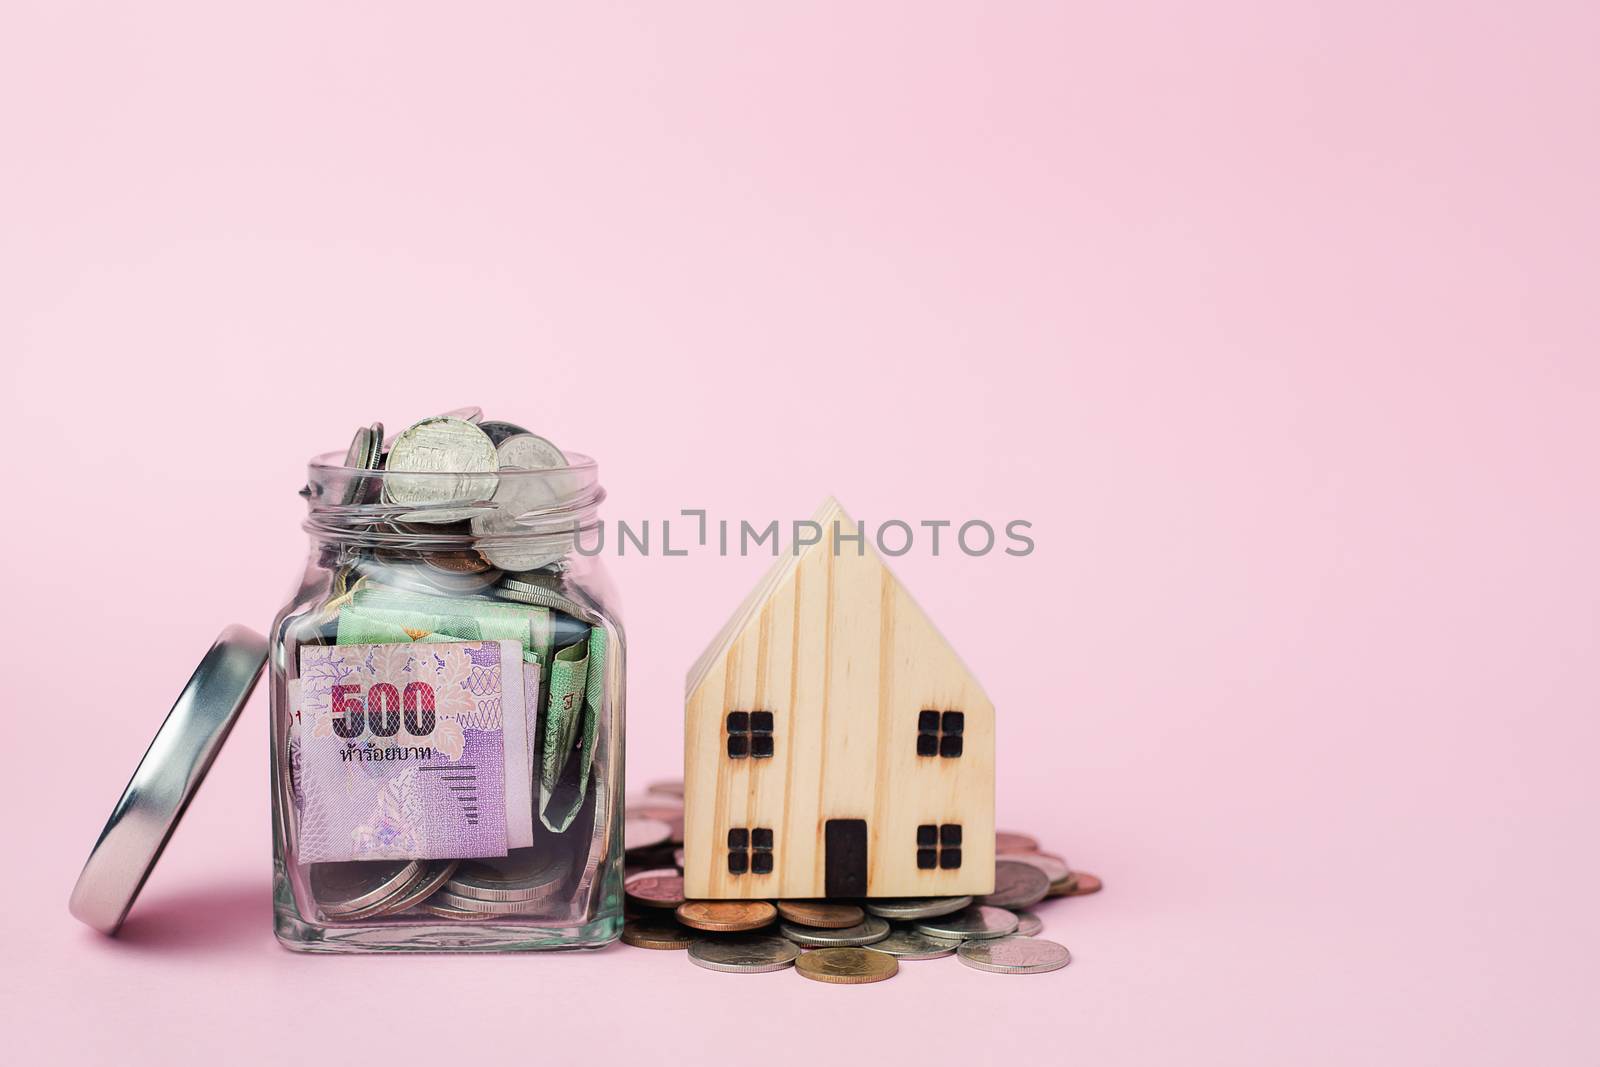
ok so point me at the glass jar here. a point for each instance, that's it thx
(447, 716)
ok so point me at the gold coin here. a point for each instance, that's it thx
(656, 933)
(1082, 884)
(726, 916)
(847, 966)
(817, 913)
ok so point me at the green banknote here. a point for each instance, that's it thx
(563, 713)
(496, 620)
(574, 719)
(382, 626)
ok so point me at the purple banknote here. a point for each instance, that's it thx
(413, 751)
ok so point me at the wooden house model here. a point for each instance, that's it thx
(834, 743)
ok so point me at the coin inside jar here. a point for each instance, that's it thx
(450, 461)
(422, 887)
(445, 911)
(344, 889)
(498, 430)
(519, 877)
(365, 452)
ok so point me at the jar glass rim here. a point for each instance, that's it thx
(333, 463)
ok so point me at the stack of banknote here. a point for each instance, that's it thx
(444, 697)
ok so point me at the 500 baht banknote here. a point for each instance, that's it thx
(413, 751)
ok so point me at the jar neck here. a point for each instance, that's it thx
(514, 513)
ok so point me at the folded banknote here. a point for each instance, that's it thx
(414, 750)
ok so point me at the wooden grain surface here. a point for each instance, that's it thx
(835, 647)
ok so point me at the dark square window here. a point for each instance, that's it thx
(939, 733)
(939, 846)
(750, 734)
(750, 850)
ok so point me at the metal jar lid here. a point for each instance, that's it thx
(167, 777)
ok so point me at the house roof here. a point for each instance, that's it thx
(781, 572)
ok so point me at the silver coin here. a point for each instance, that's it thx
(499, 431)
(365, 448)
(643, 833)
(529, 452)
(908, 908)
(977, 922)
(1029, 924)
(1054, 867)
(868, 931)
(420, 579)
(1015, 955)
(911, 944)
(345, 888)
(743, 955)
(453, 461)
(483, 907)
(1017, 885)
(471, 413)
(445, 911)
(365, 453)
(421, 888)
(506, 542)
(522, 878)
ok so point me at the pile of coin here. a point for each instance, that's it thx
(519, 884)
(840, 942)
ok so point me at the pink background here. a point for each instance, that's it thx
(1276, 319)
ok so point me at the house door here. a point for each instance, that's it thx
(845, 867)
